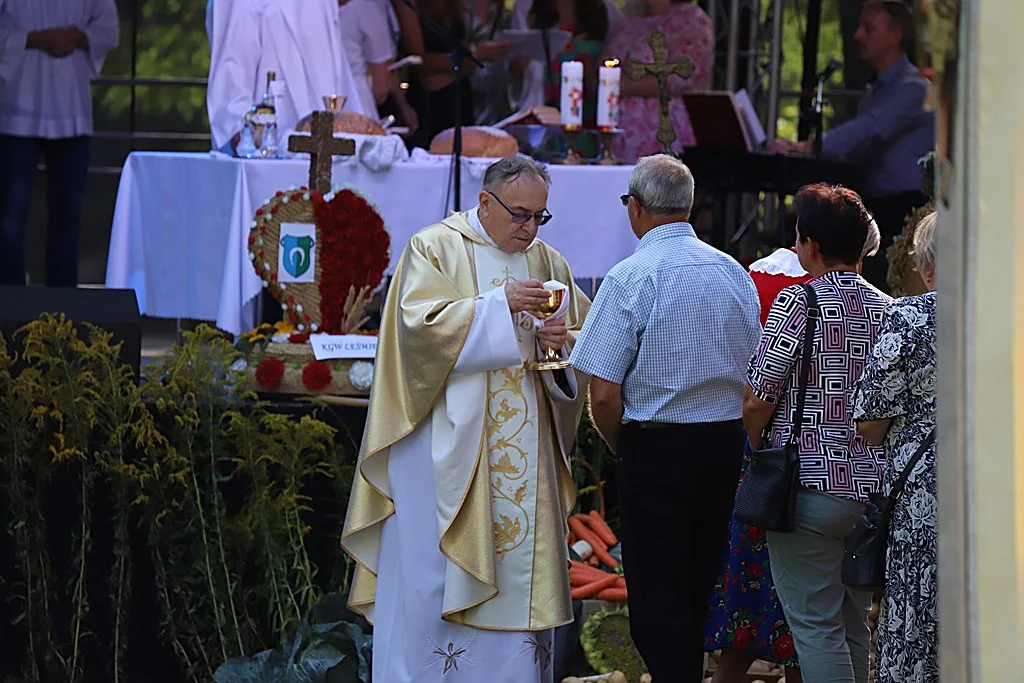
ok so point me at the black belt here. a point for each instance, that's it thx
(675, 425)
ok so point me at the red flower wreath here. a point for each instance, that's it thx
(317, 376)
(354, 251)
(269, 373)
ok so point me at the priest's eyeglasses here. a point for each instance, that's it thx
(522, 218)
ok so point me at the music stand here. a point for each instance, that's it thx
(716, 121)
(457, 53)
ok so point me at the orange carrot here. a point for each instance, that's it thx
(595, 587)
(576, 579)
(612, 594)
(587, 572)
(572, 538)
(602, 529)
(593, 562)
(600, 551)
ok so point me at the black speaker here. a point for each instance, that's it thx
(114, 310)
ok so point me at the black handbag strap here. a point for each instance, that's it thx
(813, 313)
(901, 481)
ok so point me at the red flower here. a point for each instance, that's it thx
(252, 239)
(273, 276)
(316, 376)
(269, 373)
(274, 208)
(353, 251)
(298, 338)
(784, 647)
(756, 571)
(755, 533)
(259, 211)
(742, 638)
(279, 194)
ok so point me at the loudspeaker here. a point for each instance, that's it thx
(114, 310)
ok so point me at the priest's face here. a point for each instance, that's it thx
(501, 211)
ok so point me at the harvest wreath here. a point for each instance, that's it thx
(321, 257)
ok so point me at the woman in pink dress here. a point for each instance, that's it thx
(688, 33)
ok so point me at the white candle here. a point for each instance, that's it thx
(608, 96)
(572, 94)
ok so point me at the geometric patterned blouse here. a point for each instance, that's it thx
(833, 457)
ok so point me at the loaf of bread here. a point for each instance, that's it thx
(346, 122)
(477, 141)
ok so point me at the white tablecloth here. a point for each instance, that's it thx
(181, 222)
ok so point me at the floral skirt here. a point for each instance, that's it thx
(744, 612)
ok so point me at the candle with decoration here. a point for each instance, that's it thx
(608, 96)
(572, 95)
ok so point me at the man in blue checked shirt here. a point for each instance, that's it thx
(667, 343)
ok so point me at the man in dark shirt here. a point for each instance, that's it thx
(892, 130)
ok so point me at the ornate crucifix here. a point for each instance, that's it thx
(661, 69)
(322, 146)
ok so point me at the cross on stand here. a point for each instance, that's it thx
(661, 69)
(322, 146)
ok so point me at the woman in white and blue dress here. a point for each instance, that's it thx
(895, 406)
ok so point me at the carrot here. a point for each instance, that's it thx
(593, 588)
(576, 579)
(612, 594)
(600, 551)
(602, 529)
(572, 538)
(593, 562)
(587, 573)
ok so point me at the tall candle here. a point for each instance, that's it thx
(608, 96)
(572, 95)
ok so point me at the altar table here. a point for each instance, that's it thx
(182, 219)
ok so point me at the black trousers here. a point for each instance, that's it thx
(890, 212)
(676, 490)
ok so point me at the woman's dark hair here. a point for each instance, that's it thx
(591, 17)
(447, 13)
(835, 217)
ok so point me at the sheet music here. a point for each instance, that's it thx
(748, 115)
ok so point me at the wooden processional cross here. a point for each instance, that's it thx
(661, 69)
(322, 147)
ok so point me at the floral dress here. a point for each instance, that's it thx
(744, 612)
(899, 383)
(689, 33)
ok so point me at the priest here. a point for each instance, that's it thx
(457, 517)
(299, 40)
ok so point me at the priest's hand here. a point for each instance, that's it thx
(552, 334)
(525, 295)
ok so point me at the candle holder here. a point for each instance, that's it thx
(572, 157)
(607, 136)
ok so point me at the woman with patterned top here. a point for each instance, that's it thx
(745, 618)
(837, 467)
(689, 33)
(895, 405)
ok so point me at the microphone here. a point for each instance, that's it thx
(834, 65)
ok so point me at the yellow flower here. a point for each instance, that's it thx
(256, 338)
(282, 327)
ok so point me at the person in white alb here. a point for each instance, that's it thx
(50, 51)
(370, 50)
(299, 40)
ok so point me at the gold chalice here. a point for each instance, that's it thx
(549, 359)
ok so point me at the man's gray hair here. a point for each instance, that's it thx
(924, 243)
(873, 242)
(663, 185)
(510, 169)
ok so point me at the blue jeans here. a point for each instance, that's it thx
(67, 166)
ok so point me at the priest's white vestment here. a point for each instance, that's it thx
(299, 40)
(458, 512)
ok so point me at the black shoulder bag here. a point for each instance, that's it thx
(864, 560)
(766, 497)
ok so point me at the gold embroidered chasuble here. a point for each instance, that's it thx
(500, 439)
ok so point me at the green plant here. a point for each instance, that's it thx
(332, 646)
(229, 579)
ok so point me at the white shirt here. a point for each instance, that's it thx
(366, 35)
(300, 40)
(50, 97)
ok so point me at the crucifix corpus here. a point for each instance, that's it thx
(661, 69)
(322, 146)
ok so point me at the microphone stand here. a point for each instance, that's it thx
(818, 121)
(457, 53)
